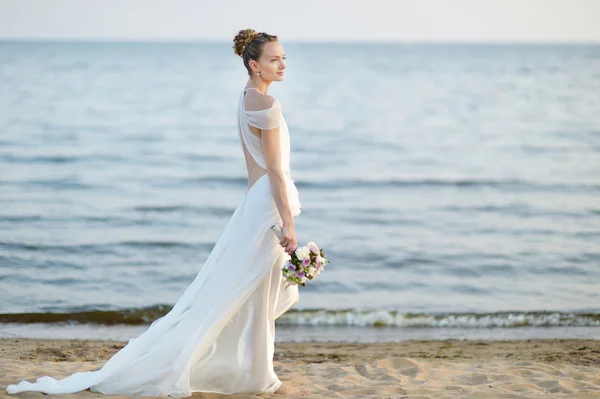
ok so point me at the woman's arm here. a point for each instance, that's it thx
(272, 149)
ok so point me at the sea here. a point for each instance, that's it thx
(455, 188)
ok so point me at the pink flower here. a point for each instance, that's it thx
(306, 262)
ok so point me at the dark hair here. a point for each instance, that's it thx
(249, 45)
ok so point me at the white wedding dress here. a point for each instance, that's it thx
(219, 336)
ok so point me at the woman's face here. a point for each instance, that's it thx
(272, 62)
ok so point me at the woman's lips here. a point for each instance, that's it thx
(280, 73)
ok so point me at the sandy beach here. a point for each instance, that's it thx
(410, 369)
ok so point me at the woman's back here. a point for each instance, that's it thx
(251, 121)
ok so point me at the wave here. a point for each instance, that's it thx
(103, 248)
(239, 181)
(27, 159)
(402, 183)
(132, 316)
(446, 182)
(387, 318)
(339, 318)
(209, 211)
(55, 184)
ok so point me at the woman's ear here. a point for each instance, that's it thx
(253, 65)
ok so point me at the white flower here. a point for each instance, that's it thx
(302, 253)
(312, 270)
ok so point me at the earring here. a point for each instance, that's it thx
(257, 73)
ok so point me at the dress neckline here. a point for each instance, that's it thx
(255, 88)
(260, 110)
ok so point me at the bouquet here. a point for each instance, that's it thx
(305, 263)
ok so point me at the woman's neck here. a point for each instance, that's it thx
(259, 84)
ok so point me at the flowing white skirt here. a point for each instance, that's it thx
(219, 336)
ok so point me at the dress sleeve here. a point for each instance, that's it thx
(265, 119)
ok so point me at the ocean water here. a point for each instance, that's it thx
(455, 188)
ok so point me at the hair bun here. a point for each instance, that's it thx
(243, 39)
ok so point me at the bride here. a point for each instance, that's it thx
(219, 336)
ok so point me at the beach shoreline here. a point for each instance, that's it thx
(408, 369)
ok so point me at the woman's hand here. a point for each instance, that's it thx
(288, 240)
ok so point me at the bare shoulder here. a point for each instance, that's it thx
(257, 101)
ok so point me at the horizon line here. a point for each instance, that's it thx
(98, 40)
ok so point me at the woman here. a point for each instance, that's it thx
(219, 336)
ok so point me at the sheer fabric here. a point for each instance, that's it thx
(267, 119)
(219, 336)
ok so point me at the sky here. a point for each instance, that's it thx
(304, 20)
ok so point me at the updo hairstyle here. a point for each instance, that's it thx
(249, 45)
